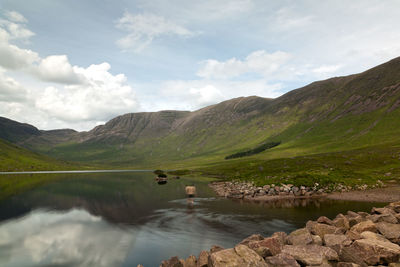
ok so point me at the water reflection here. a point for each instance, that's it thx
(126, 219)
(62, 239)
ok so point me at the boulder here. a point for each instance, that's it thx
(255, 237)
(364, 226)
(269, 246)
(394, 264)
(347, 264)
(241, 255)
(310, 254)
(370, 252)
(385, 217)
(395, 206)
(215, 248)
(282, 237)
(300, 237)
(353, 235)
(190, 262)
(323, 229)
(316, 240)
(371, 235)
(336, 242)
(324, 220)
(341, 221)
(281, 260)
(172, 262)
(390, 231)
(382, 211)
(203, 259)
(355, 220)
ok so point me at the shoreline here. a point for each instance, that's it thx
(388, 193)
(356, 239)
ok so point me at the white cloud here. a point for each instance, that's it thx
(11, 90)
(326, 69)
(259, 62)
(195, 94)
(144, 28)
(15, 16)
(101, 96)
(58, 69)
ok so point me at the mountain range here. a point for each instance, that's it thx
(337, 114)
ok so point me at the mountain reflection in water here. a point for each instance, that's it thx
(122, 219)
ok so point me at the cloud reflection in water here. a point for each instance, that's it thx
(73, 238)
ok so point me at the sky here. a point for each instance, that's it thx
(79, 63)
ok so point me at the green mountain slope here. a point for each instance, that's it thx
(15, 158)
(335, 115)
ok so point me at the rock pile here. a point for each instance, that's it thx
(247, 190)
(351, 240)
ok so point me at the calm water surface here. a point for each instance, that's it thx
(123, 219)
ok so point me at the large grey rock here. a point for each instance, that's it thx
(203, 259)
(282, 260)
(311, 254)
(239, 256)
(300, 237)
(390, 231)
(336, 242)
(370, 252)
(367, 225)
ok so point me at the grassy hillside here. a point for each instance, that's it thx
(15, 158)
(321, 124)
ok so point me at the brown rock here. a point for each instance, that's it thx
(323, 229)
(347, 264)
(299, 237)
(370, 252)
(269, 246)
(386, 217)
(394, 264)
(324, 220)
(215, 248)
(172, 262)
(353, 235)
(364, 226)
(336, 242)
(355, 220)
(371, 235)
(190, 262)
(203, 259)
(341, 221)
(352, 214)
(255, 237)
(310, 254)
(395, 206)
(363, 214)
(390, 231)
(382, 211)
(316, 240)
(281, 260)
(282, 236)
(139, 265)
(239, 256)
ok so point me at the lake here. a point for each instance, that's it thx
(127, 218)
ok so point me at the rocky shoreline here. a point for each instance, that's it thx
(351, 240)
(248, 191)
